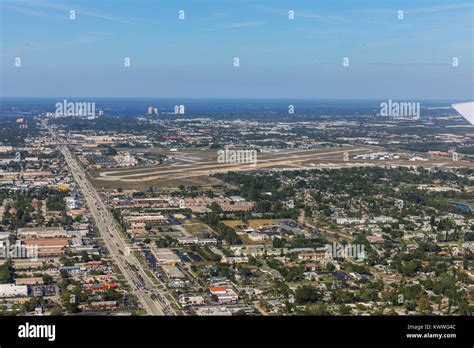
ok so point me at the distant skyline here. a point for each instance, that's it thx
(409, 58)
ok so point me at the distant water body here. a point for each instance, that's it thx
(210, 107)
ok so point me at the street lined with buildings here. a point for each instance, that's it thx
(140, 282)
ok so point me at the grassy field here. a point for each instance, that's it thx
(252, 223)
(196, 228)
(204, 182)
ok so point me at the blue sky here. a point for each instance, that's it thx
(279, 58)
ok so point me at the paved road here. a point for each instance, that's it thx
(152, 299)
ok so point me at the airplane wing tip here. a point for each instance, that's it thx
(466, 110)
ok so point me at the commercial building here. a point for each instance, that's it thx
(12, 290)
(187, 300)
(224, 294)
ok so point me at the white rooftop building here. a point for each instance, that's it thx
(11, 290)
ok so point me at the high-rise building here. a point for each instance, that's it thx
(152, 110)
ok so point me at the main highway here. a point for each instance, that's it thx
(152, 299)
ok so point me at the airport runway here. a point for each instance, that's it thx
(266, 160)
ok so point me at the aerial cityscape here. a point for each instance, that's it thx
(334, 214)
(232, 168)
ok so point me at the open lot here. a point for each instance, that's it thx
(252, 223)
(197, 228)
